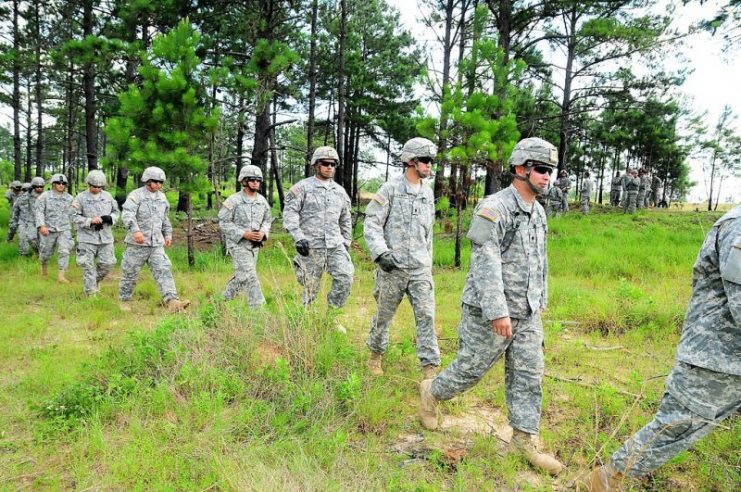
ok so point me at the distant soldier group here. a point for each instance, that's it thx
(503, 298)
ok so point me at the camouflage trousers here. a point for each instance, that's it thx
(245, 278)
(585, 204)
(309, 270)
(64, 244)
(565, 203)
(631, 200)
(641, 199)
(134, 259)
(389, 289)
(553, 208)
(696, 400)
(480, 347)
(28, 239)
(615, 198)
(96, 261)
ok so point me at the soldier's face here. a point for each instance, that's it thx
(423, 165)
(58, 187)
(325, 168)
(153, 185)
(540, 176)
(94, 189)
(252, 184)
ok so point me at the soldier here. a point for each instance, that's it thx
(245, 221)
(563, 183)
(554, 202)
(398, 231)
(23, 218)
(585, 193)
(15, 191)
(96, 212)
(616, 187)
(704, 386)
(644, 185)
(145, 215)
(54, 212)
(655, 190)
(317, 215)
(504, 294)
(631, 183)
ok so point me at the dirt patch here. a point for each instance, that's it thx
(479, 420)
(206, 234)
(268, 352)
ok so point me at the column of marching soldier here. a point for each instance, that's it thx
(504, 295)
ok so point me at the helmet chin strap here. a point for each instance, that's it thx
(526, 178)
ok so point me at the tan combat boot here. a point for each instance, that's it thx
(604, 479)
(61, 278)
(176, 305)
(526, 444)
(44, 270)
(374, 364)
(429, 372)
(427, 405)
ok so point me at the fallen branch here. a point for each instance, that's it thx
(578, 382)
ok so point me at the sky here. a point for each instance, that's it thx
(712, 84)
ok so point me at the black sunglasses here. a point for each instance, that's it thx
(95, 186)
(156, 181)
(59, 183)
(327, 163)
(38, 187)
(424, 160)
(252, 180)
(543, 170)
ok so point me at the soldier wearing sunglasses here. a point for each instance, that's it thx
(503, 297)
(317, 215)
(398, 231)
(245, 220)
(54, 214)
(23, 217)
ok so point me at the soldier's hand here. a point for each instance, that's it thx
(139, 237)
(502, 327)
(168, 242)
(44, 231)
(302, 246)
(249, 235)
(96, 220)
(386, 262)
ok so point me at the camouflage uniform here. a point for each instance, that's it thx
(643, 187)
(95, 252)
(564, 184)
(705, 385)
(615, 188)
(319, 212)
(12, 197)
(239, 214)
(655, 191)
(54, 210)
(586, 194)
(23, 219)
(630, 185)
(555, 201)
(507, 277)
(400, 220)
(147, 212)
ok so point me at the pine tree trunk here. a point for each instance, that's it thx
(341, 92)
(88, 82)
(39, 101)
(312, 92)
(442, 139)
(17, 162)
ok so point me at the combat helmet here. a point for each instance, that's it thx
(96, 178)
(533, 149)
(250, 172)
(58, 178)
(38, 181)
(153, 173)
(15, 184)
(325, 153)
(418, 147)
(26, 186)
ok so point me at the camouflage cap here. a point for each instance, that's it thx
(534, 149)
(96, 178)
(153, 174)
(322, 153)
(58, 178)
(38, 181)
(418, 147)
(249, 172)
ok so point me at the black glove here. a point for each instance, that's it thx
(302, 246)
(97, 227)
(11, 234)
(107, 219)
(386, 262)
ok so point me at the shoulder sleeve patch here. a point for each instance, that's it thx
(731, 270)
(228, 204)
(489, 214)
(382, 200)
(296, 190)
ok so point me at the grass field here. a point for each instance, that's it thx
(224, 398)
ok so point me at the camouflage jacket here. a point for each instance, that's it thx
(586, 187)
(563, 183)
(54, 210)
(645, 182)
(508, 274)
(616, 184)
(240, 213)
(87, 206)
(147, 212)
(318, 211)
(23, 209)
(711, 336)
(630, 183)
(400, 219)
